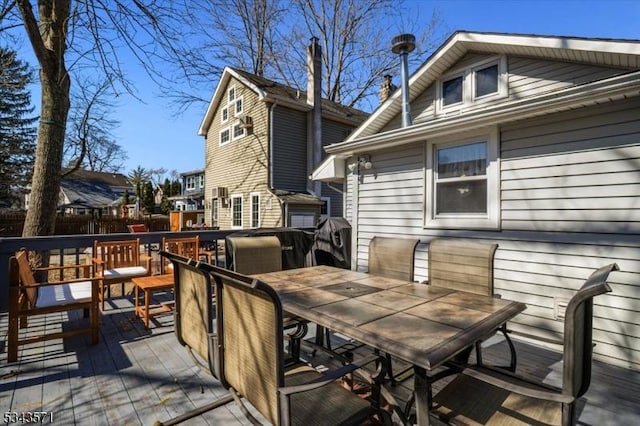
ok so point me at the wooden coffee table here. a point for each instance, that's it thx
(148, 285)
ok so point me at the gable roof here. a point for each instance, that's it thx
(89, 189)
(271, 91)
(624, 54)
(111, 179)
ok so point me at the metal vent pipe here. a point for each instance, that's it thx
(402, 45)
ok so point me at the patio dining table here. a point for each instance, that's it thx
(417, 323)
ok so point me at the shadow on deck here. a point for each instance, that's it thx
(137, 376)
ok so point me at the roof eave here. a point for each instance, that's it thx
(602, 90)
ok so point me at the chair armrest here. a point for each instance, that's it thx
(97, 261)
(85, 268)
(54, 283)
(327, 378)
(146, 260)
(517, 384)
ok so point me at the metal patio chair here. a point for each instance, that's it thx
(467, 265)
(194, 323)
(252, 363)
(260, 255)
(485, 395)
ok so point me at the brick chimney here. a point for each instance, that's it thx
(314, 121)
(386, 88)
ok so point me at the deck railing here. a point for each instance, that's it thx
(75, 246)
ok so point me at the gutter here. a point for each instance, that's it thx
(603, 90)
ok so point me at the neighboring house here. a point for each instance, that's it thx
(89, 192)
(192, 197)
(263, 140)
(532, 142)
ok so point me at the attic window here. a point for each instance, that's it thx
(225, 114)
(481, 82)
(486, 81)
(231, 94)
(452, 91)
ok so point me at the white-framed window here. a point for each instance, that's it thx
(201, 181)
(191, 183)
(255, 209)
(231, 94)
(225, 114)
(478, 83)
(239, 106)
(238, 131)
(463, 182)
(236, 211)
(225, 136)
(452, 90)
(214, 212)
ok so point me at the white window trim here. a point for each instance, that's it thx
(489, 220)
(228, 129)
(215, 211)
(440, 92)
(229, 91)
(468, 85)
(233, 133)
(328, 200)
(234, 197)
(239, 100)
(191, 183)
(222, 118)
(251, 195)
(201, 181)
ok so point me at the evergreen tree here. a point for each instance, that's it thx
(17, 128)
(147, 202)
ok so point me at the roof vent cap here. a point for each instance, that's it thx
(403, 43)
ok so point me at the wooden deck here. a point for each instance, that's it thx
(137, 376)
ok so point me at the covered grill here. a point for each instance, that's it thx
(332, 245)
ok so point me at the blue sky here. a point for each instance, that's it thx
(154, 139)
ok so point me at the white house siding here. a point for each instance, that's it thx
(570, 186)
(526, 77)
(569, 190)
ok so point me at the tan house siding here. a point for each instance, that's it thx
(240, 165)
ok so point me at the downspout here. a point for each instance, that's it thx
(270, 173)
(314, 122)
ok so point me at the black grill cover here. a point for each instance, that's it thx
(332, 244)
(296, 243)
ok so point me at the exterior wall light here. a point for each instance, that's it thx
(363, 162)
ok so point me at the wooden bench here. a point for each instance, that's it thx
(28, 297)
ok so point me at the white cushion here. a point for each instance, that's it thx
(60, 294)
(126, 272)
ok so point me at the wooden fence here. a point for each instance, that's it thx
(11, 224)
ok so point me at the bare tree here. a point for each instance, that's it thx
(239, 33)
(269, 38)
(89, 144)
(83, 36)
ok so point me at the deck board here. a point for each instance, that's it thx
(136, 376)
